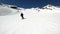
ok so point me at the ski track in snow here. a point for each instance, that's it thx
(42, 22)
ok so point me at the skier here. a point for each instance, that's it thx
(22, 15)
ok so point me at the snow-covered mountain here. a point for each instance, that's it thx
(44, 20)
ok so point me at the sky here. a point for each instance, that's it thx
(31, 3)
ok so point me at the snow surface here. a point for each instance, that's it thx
(44, 21)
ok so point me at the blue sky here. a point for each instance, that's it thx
(31, 3)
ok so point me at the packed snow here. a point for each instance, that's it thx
(37, 20)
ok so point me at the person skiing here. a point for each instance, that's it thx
(22, 15)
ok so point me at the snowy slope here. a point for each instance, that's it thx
(38, 21)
